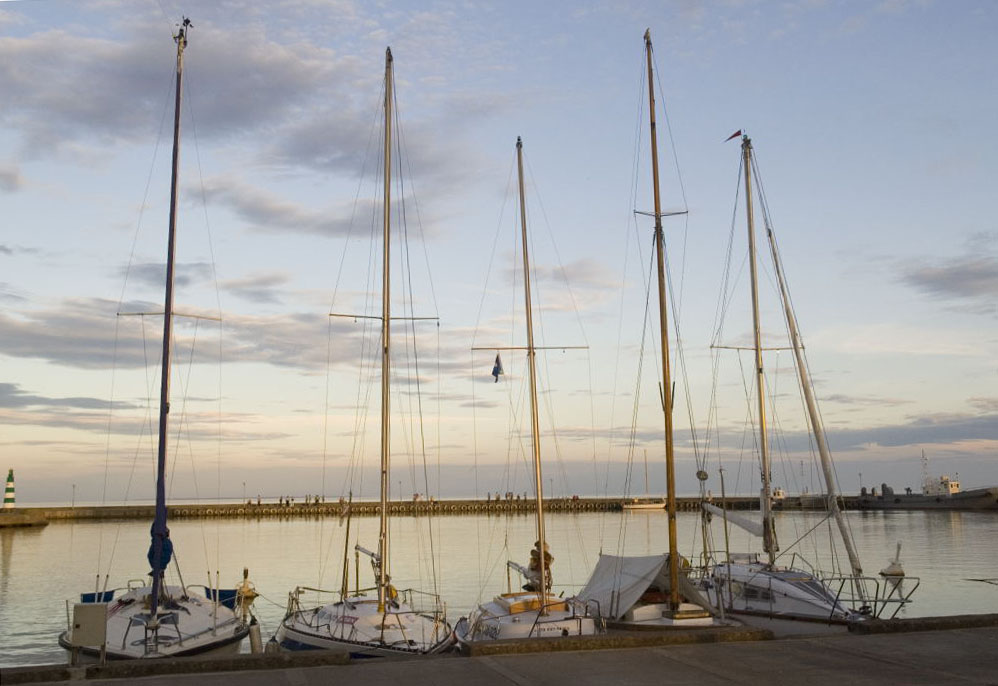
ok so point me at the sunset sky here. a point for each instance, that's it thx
(874, 128)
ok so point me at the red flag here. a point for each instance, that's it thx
(736, 134)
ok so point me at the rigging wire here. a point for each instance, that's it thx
(117, 328)
(632, 225)
(791, 312)
(473, 373)
(407, 270)
(218, 304)
(353, 475)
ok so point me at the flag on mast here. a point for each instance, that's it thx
(736, 134)
(497, 368)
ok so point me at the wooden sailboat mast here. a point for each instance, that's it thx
(663, 318)
(159, 530)
(385, 342)
(769, 544)
(535, 430)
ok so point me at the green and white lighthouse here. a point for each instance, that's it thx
(8, 491)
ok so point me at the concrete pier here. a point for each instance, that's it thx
(10, 519)
(955, 656)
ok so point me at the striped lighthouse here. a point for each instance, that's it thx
(8, 491)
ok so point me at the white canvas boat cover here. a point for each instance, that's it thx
(753, 526)
(617, 582)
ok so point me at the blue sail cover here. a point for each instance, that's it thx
(167, 554)
(225, 596)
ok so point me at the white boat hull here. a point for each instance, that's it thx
(519, 616)
(786, 601)
(190, 624)
(358, 628)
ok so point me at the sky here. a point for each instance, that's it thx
(873, 128)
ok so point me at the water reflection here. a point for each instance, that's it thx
(41, 569)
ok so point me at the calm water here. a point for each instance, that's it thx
(40, 569)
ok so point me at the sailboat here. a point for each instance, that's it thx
(647, 503)
(651, 590)
(156, 620)
(761, 591)
(391, 622)
(533, 612)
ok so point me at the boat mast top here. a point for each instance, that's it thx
(160, 550)
(769, 544)
(383, 578)
(535, 431)
(663, 318)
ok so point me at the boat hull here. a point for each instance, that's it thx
(518, 616)
(788, 602)
(190, 625)
(976, 499)
(227, 646)
(360, 630)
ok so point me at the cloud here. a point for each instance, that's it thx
(241, 79)
(342, 140)
(585, 273)
(154, 273)
(265, 211)
(971, 277)
(11, 396)
(921, 430)
(238, 80)
(81, 333)
(7, 291)
(258, 288)
(864, 401)
(11, 250)
(958, 277)
(10, 178)
(984, 404)
(85, 333)
(881, 339)
(939, 428)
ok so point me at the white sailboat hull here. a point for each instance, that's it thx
(190, 624)
(788, 601)
(358, 628)
(518, 616)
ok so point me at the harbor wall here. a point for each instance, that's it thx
(372, 508)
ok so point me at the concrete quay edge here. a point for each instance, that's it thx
(133, 669)
(616, 640)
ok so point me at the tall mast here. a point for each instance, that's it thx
(159, 530)
(769, 533)
(663, 320)
(535, 431)
(812, 410)
(385, 341)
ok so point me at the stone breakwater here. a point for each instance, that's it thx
(372, 508)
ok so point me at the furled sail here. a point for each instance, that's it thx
(753, 526)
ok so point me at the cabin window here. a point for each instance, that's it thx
(756, 593)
